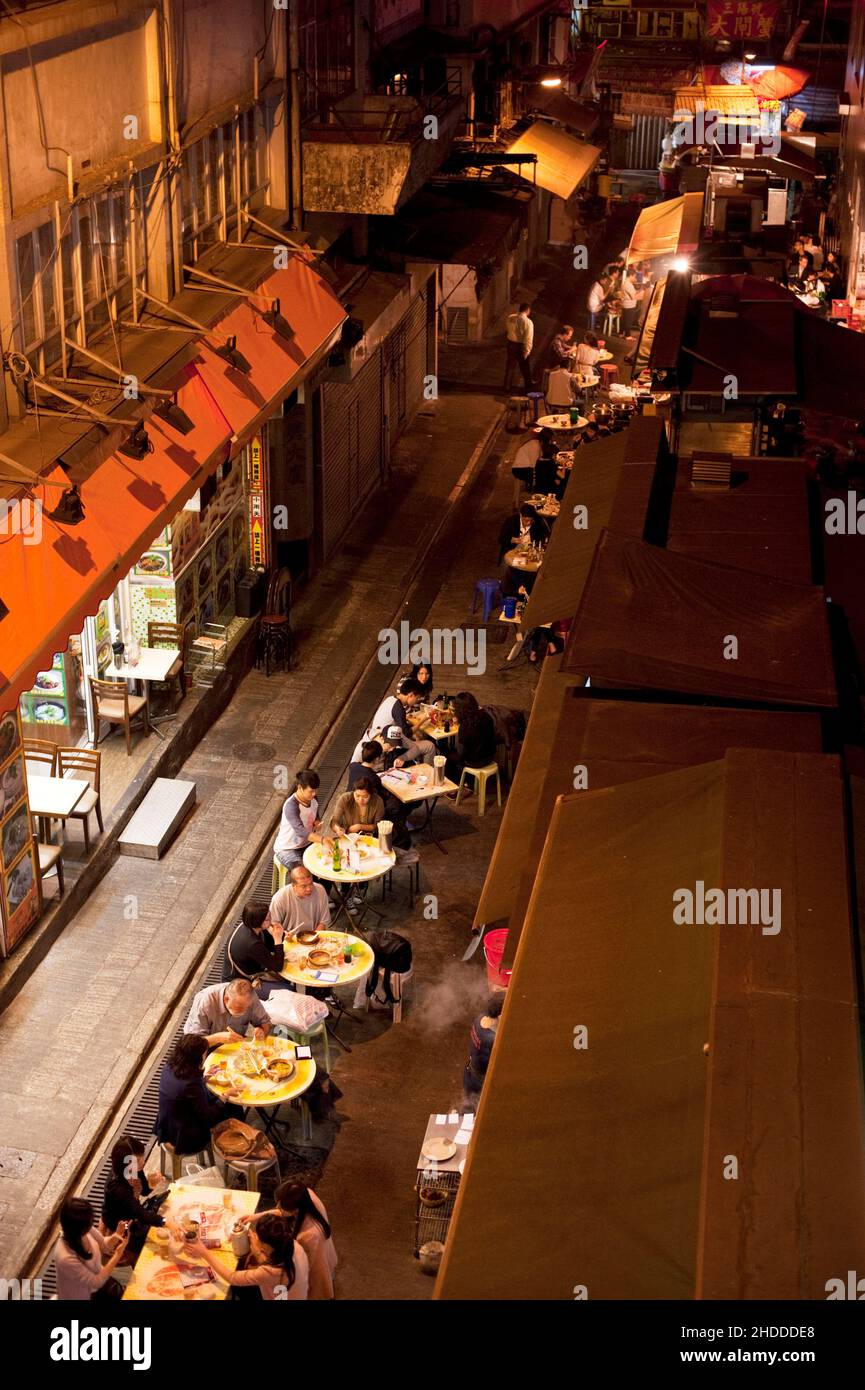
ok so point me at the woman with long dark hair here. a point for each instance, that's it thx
(80, 1252)
(423, 673)
(187, 1110)
(276, 1267)
(124, 1190)
(475, 739)
(311, 1228)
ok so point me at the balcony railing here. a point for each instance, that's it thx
(383, 118)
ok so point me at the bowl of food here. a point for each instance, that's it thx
(433, 1197)
(319, 959)
(280, 1069)
(308, 938)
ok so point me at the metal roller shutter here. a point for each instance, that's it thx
(406, 365)
(351, 448)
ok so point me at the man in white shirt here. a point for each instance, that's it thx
(520, 334)
(595, 301)
(561, 393)
(630, 297)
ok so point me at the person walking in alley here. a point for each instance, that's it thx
(630, 296)
(520, 333)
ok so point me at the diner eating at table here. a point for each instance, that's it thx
(302, 905)
(299, 826)
(392, 714)
(275, 1269)
(222, 1013)
(84, 1258)
(358, 811)
(375, 758)
(475, 741)
(187, 1110)
(311, 1228)
(524, 527)
(255, 950)
(562, 346)
(127, 1191)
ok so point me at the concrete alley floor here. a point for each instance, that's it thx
(73, 1038)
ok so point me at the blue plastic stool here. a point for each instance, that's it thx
(490, 590)
(536, 400)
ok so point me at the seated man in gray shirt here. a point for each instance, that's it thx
(224, 1012)
(301, 906)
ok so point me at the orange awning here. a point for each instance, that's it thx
(48, 589)
(314, 313)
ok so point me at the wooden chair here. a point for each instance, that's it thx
(49, 857)
(41, 752)
(84, 763)
(172, 635)
(113, 703)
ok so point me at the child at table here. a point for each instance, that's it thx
(276, 1268)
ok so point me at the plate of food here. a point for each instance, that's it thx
(8, 736)
(48, 680)
(439, 1150)
(165, 1284)
(49, 712)
(153, 563)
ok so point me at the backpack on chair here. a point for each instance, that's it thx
(393, 955)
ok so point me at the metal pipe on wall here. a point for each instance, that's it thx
(292, 105)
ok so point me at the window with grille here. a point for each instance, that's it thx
(81, 280)
(326, 54)
(228, 163)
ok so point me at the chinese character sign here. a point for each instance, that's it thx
(741, 19)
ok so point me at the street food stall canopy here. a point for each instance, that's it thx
(784, 1068)
(577, 115)
(592, 486)
(620, 740)
(760, 524)
(503, 872)
(562, 161)
(636, 1212)
(610, 1135)
(671, 228)
(656, 620)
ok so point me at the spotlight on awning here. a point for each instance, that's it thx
(551, 82)
(70, 509)
(681, 263)
(750, 56)
(173, 415)
(277, 321)
(138, 443)
(229, 353)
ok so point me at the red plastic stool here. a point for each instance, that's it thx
(609, 373)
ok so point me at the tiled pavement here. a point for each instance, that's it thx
(73, 1036)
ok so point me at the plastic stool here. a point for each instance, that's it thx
(252, 1167)
(609, 373)
(305, 1038)
(518, 409)
(482, 775)
(175, 1160)
(407, 859)
(536, 401)
(490, 590)
(612, 324)
(279, 877)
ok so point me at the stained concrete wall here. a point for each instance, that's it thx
(217, 42)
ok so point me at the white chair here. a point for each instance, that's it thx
(169, 1156)
(398, 985)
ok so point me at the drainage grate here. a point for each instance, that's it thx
(253, 752)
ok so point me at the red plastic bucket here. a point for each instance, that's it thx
(494, 949)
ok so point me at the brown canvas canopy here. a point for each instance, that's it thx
(503, 873)
(612, 481)
(618, 741)
(660, 621)
(592, 486)
(600, 1166)
(761, 524)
